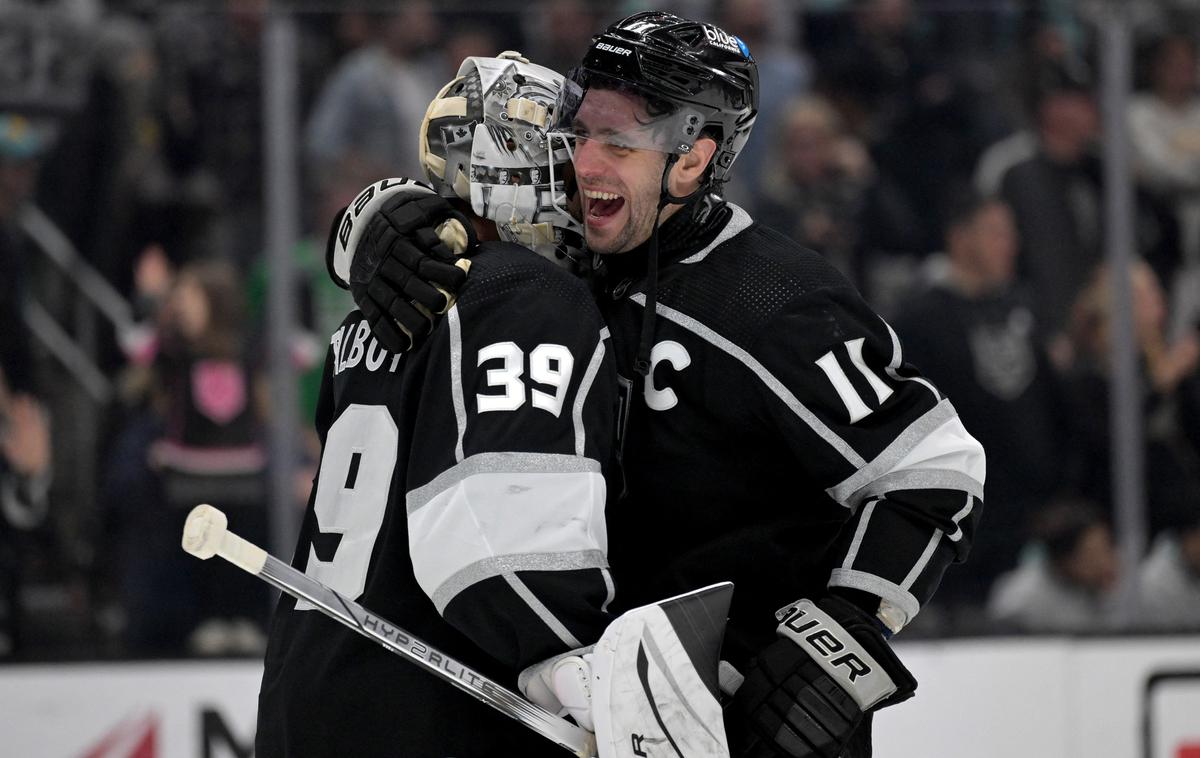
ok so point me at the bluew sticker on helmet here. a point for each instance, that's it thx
(724, 40)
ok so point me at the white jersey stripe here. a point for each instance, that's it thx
(456, 384)
(938, 434)
(766, 377)
(492, 508)
(544, 613)
(585, 386)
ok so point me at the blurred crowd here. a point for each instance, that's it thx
(946, 157)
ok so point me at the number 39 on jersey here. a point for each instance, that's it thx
(549, 366)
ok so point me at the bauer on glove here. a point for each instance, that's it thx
(808, 693)
(394, 247)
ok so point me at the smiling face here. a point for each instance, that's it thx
(619, 185)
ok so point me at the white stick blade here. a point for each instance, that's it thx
(203, 531)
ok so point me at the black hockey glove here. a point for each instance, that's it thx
(401, 273)
(807, 693)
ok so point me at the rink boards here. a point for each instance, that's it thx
(999, 698)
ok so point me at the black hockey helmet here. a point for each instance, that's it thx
(694, 77)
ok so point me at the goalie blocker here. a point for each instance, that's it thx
(649, 686)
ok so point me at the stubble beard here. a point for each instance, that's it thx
(642, 216)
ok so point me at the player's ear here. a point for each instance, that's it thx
(689, 168)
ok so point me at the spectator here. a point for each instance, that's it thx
(1066, 578)
(212, 121)
(556, 30)
(24, 429)
(972, 332)
(875, 73)
(814, 190)
(24, 486)
(1165, 130)
(373, 101)
(22, 143)
(466, 40)
(904, 99)
(1169, 578)
(195, 439)
(212, 112)
(768, 29)
(106, 178)
(1057, 199)
(322, 303)
(1045, 57)
(1171, 395)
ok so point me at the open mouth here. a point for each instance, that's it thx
(601, 205)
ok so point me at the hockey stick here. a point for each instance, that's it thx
(206, 534)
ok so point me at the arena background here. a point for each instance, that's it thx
(157, 154)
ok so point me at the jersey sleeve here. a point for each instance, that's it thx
(506, 498)
(325, 410)
(880, 439)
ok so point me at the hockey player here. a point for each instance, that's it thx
(774, 434)
(461, 488)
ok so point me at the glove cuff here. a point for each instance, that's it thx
(849, 646)
(331, 250)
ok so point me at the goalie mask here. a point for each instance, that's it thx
(483, 140)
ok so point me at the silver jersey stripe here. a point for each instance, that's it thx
(738, 222)
(958, 532)
(766, 377)
(923, 561)
(585, 386)
(898, 358)
(508, 564)
(491, 463)
(877, 586)
(456, 384)
(859, 533)
(919, 479)
(538, 607)
(895, 452)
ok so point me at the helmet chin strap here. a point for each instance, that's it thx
(646, 343)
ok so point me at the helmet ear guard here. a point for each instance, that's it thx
(444, 140)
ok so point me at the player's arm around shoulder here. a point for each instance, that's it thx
(506, 511)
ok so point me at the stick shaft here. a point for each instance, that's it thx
(349, 613)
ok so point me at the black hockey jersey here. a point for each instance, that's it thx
(460, 495)
(780, 440)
